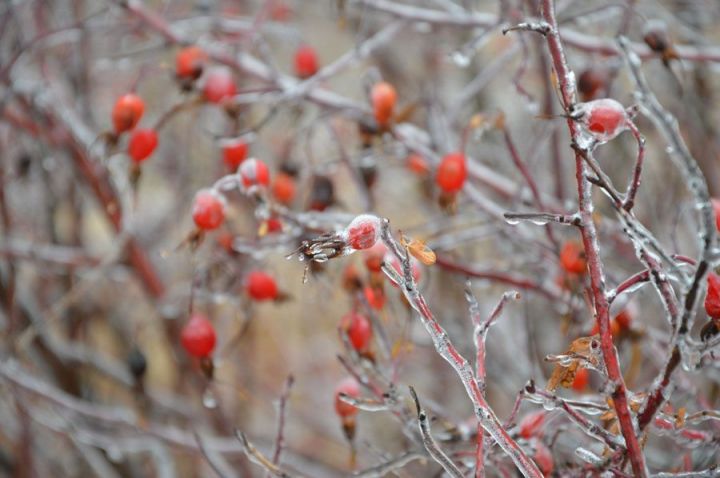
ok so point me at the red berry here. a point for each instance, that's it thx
(189, 63)
(142, 144)
(590, 82)
(127, 112)
(532, 423)
(572, 258)
(283, 188)
(417, 164)
(254, 172)
(451, 173)
(198, 336)
(351, 388)
(716, 209)
(624, 319)
(543, 458)
(363, 232)
(712, 299)
(374, 257)
(383, 97)
(280, 11)
(580, 382)
(375, 297)
(234, 153)
(306, 62)
(274, 225)
(261, 286)
(604, 119)
(209, 209)
(219, 86)
(358, 329)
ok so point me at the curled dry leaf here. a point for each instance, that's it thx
(584, 350)
(419, 250)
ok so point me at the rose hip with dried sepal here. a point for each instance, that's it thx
(261, 286)
(451, 173)
(383, 97)
(254, 173)
(198, 336)
(375, 296)
(127, 112)
(208, 209)
(712, 307)
(363, 232)
(142, 144)
(603, 119)
(322, 193)
(189, 64)
(347, 412)
(359, 331)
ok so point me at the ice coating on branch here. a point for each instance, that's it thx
(588, 456)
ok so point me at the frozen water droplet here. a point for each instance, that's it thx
(208, 399)
(512, 222)
(539, 222)
(588, 456)
(460, 59)
(114, 454)
(548, 404)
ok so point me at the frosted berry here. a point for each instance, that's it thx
(572, 258)
(712, 298)
(189, 63)
(283, 188)
(363, 232)
(358, 329)
(234, 153)
(219, 86)
(254, 172)
(451, 173)
(127, 112)
(261, 286)
(306, 62)
(351, 388)
(383, 97)
(142, 144)
(604, 119)
(208, 209)
(198, 336)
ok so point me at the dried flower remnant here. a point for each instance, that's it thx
(583, 352)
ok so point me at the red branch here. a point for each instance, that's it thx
(590, 242)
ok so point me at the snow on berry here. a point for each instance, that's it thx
(363, 232)
(603, 119)
(254, 172)
(208, 209)
(219, 86)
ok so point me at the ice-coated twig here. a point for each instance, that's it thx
(634, 185)
(678, 151)
(261, 460)
(447, 351)
(388, 467)
(216, 462)
(369, 404)
(712, 472)
(430, 444)
(590, 241)
(542, 218)
(282, 412)
(542, 28)
(480, 330)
